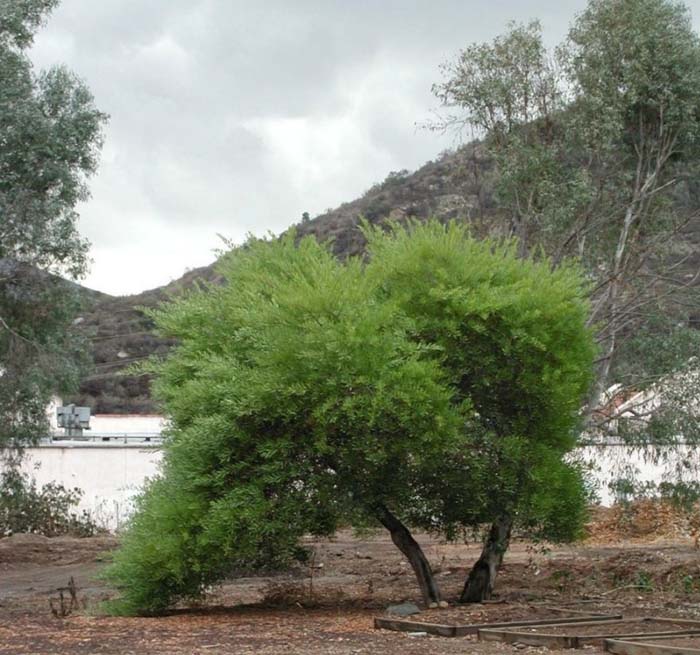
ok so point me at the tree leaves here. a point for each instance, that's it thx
(50, 137)
(317, 391)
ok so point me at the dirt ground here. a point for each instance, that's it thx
(329, 605)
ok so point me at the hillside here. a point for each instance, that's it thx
(457, 185)
(121, 334)
(450, 187)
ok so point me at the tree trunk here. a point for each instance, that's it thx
(482, 577)
(403, 540)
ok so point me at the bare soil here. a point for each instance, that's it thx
(328, 606)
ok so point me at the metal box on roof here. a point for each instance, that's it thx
(74, 419)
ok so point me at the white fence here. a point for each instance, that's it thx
(111, 473)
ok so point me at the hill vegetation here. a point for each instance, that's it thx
(457, 185)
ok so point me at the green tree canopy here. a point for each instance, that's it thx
(421, 386)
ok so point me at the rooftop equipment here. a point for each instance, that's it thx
(73, 419)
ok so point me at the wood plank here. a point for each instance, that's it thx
(567, 610)
(551, 640)
(402, 625)
(662, 637)
(666, 619)
(405, 625)
(573, 640)
(471, 629)
(603, 619)
(512, 637)
(623, 647)
(638, 636)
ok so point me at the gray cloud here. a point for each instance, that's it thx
(229, 116)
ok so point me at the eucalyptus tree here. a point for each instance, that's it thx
(595, 143)
(511, 93)
(634, 67)
(595, 148)
(50, 137)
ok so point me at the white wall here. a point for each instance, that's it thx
(101, 424)
(111, 473)
(615, 461)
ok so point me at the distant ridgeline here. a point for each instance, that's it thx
(458, 185)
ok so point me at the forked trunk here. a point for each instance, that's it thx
(482, 577)
(403, 540)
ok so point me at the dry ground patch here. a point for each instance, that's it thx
(328, 605)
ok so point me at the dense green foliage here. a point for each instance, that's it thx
(52, 134)
(50, 139)
(512, 93)
(41, 352)
(636, 64)
(438, 379)
(509, 335)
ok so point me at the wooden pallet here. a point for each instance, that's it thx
(574, 639)
(649, 646)
(443, 630)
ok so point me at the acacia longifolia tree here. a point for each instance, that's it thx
(414, 389)
(510, 336)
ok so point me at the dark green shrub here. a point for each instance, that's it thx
(47, 510)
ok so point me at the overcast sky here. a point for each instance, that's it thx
(229, 116)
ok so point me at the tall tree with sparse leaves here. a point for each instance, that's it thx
(596, 149)
(50, 138)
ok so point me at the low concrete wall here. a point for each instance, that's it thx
(616, 460)
(111, 474)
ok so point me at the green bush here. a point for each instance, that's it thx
(46, 510)
(440, 378)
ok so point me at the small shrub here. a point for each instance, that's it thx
(689, 584)
(48, 510)
(562, 578)
(644, 581)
